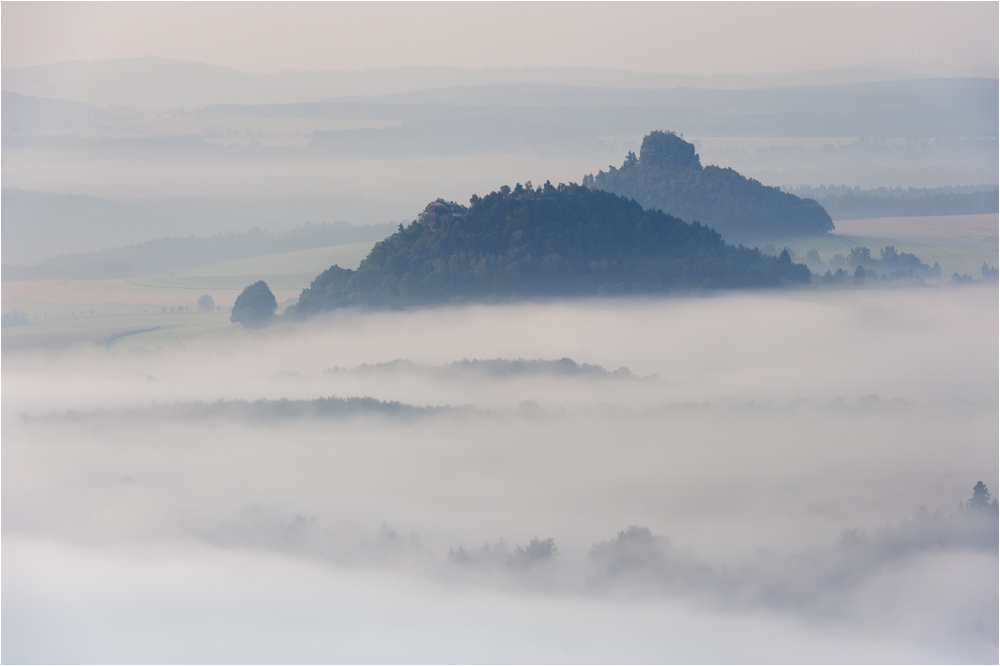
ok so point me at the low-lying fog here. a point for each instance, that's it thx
(770, 478)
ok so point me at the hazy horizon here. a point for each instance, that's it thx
(956, 39)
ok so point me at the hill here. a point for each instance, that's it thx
(668, 176)
(38, 227)
(169, 254)
(550, 241)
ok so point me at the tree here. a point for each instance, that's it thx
(254, 307)
(537, 551)
(980, 497)
(859, 275)
(890, 257)
(861, 256)
(13, 318)
(206, 302)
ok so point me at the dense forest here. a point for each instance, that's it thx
(668, 176)
(847, 203)
(547, 241)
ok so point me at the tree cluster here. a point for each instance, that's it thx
(889, 265)
(668, 176)
(991, 275)
(13, 318)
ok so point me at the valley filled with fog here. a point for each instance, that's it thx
(500, 333)
(734, 477)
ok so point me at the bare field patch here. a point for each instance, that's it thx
(978, 231)
(151, 292)
(61, 313)
(50, 327)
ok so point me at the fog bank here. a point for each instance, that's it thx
(793, 464)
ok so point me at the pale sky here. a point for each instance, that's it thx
(704, 38)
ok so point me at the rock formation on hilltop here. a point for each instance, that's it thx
(668, 176)
(666, 150)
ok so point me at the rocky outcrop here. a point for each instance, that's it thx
(439, 211)
(666, 150)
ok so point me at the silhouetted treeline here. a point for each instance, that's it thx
(497, 368)
(814, 580)
(264, 410)
(668, 176)
(844, 203)
(991, 275)
(165, 254)
(861, 264)
(13, 318)
(550, 241)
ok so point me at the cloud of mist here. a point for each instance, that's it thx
(778, 448)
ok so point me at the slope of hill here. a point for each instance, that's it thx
(175, 253)
(40, 226)
(668, 176)
(550, 241)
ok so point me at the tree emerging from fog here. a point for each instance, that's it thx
(255, 306)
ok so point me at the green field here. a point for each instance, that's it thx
(114, 330)
(283, 271)
(311, 262)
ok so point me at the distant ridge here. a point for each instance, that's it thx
(162, 82)
(853, 203)
(40, 226)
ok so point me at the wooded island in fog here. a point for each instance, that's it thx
(552, 240)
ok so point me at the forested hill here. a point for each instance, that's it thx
(548, 241)
(668, 176)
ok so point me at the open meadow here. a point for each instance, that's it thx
(958, 243)
(160, 309)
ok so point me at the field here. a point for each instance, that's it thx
(160, 310)
(959, 243)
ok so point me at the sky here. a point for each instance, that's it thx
(705, 38)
